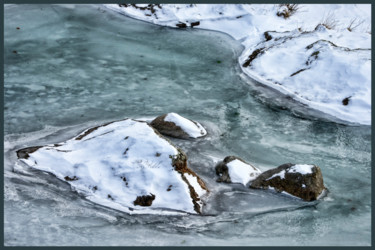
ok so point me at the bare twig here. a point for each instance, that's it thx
(329, 21)
(354, 24)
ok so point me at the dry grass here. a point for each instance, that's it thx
(287, 10)
(354, 24)
(329, 21)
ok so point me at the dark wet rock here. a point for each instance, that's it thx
(346, 100)
(150, 7)
(252, 57)
(306, 184)
(168, 128)
(145, 200)
(181, 25)
(68, 178)
(89, 131)
(194, 24)
(222, 169)
(267, 36)
(24, 153)
(297, 72)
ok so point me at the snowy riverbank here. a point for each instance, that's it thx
(327, 66)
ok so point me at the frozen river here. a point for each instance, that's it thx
(68, 68)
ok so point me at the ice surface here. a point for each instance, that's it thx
(129, 68)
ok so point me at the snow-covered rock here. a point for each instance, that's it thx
(174, 125)
(326, 66)
(126, 165)
(300, 180)
(235, 170)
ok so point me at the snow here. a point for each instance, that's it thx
(299, 168)
(118, 162)
(281, 174)
(193, 180)
(193, 129)
(302, 169)
(241, 172)
(342, 68)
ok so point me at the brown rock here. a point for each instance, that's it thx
(181, 25)
(68, 178)
(222, 169)
(90, 130)
(346, 100)
(145, 200)
(171, 129)
(180, 165)
(267, 36)
(24, 153)
(194, 24)
(306, 186)
(168, 128)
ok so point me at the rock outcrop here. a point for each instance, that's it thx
(126, 165)
(235, 170)
(174, 125)
(303, 181)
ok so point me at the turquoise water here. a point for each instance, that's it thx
(68, 68)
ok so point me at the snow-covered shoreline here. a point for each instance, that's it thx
(327, 67)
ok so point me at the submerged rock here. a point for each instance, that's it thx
(126, 165)
(174, 125)
(235, 170)
(303, 181)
